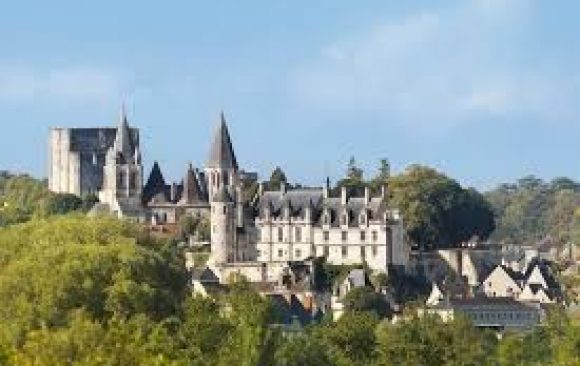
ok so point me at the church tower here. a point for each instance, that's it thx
(222, 167)
(123, 172)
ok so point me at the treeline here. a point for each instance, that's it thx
(23, 197)
(99, 291)
(532, 210)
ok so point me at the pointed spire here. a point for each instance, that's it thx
(123, 140)
(222, 152)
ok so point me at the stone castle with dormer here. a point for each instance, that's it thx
(255, 235)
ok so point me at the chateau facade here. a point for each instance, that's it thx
(258, 235)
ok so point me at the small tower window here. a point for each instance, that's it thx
(344, 219)
(226, 180)
(280, 234)
(224, 210)
(122, 180)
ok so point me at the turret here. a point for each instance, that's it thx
(223, 228)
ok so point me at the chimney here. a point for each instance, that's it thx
(343, 196)
(367, 195)
(173, 192)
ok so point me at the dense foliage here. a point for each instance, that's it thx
(532, 210)
(23, 197)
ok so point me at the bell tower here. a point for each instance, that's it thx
(222, 167)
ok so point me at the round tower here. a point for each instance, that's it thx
(222, 227)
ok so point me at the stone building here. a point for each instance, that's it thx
(257, 235)
(77, 158)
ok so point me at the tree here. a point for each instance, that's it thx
(62, 203)
(366, 299)
(438, 212)
(277, 178)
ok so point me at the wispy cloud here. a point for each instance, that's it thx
(448, 65)
(63, 85)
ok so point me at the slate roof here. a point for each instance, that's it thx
(191, 191)
(155, 184)
(299, 199)
(222, 152)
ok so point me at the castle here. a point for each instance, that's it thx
(256, 235)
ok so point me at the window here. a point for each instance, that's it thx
(122, 180)
(326, 251)
(362, 253)
(280, 234)
(363, 219)
(325, 235)
(133, 181)
(298, 253)
(375, 235)
(374, 250)
(363, 236)
(344, 251)
(226, 180)
(280, 253)
(325, 219)
(344, 236)
(224, 210)
(343, 219)
(298, 234)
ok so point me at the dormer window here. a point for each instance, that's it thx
(325, 219)
(363, 219)
(344, 219)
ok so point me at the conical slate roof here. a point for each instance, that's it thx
(191, 190)
(222, 153)
(155, 183)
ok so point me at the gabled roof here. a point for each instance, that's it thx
(222, 152)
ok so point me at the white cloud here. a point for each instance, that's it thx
(65, 85)
(444, 65)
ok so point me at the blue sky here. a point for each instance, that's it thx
(484, 90)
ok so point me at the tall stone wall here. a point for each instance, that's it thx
(77, 157)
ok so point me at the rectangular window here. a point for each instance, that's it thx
(326, 250)
(344, 235)
(298, 234)
(344, 251)
(375, 250)
(375, 236)
(280, 234)
(363, 236)
(280, 253)
(325, 235)
(363, 253)
(298, 254)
